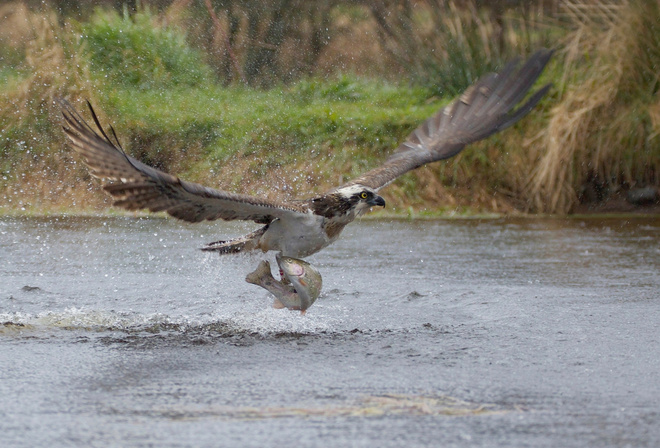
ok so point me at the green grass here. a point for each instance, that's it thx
(135, 51)
(279, 124)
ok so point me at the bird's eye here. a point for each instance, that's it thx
(363, 195)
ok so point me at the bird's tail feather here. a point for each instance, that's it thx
(244, 243)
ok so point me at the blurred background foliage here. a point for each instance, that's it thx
(283, 97)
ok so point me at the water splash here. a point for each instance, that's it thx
(261, 322)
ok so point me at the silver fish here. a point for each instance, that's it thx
(299, 287)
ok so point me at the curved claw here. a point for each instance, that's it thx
(300, 285)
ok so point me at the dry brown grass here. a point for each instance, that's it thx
(450, 44)
(602, 134)
(54, 65)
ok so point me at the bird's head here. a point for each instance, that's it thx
(360, 198)
(352, 200)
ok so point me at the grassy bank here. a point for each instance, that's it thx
(594, 136)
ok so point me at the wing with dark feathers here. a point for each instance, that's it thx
(134, 185)
(483, 109)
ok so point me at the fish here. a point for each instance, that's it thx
(300, 285)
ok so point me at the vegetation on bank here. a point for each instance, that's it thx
(177, 105)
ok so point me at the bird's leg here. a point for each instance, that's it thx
(300, 285)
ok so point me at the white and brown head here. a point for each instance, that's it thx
(351, 200)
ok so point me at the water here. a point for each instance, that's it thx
(118, 332)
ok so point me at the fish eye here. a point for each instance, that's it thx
(363, 195)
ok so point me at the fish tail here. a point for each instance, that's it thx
(260, 274)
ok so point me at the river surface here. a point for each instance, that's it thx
(118, 332)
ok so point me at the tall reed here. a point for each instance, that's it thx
(31, 150)
(602, 135)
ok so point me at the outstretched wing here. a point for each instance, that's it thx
(483, 109)
(135, 185)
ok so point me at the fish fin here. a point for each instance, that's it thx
(278, 305)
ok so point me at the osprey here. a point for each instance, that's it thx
(303, 227)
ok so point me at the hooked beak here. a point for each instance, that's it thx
(377, 200)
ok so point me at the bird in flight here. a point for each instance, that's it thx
(299, 228)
